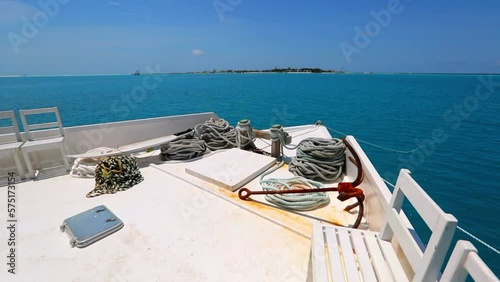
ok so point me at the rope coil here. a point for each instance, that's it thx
(183, 149)
(319, 159)
(85, 167)
(217, 134)
(299, 202)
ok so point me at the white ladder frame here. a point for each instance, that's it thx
(37, 144)
(12, 148)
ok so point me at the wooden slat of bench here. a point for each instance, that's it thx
(351, 267)
(320, 267)
(354, 255)
(405, 239)
(336, 267)
(364, 260)
(421, 201)
(378, 260)
(393, 261)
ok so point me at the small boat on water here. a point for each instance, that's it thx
(190, 198)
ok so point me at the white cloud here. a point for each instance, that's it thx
(11, 12)
(198, 52)
(113, 3)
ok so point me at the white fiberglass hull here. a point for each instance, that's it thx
(177, 227)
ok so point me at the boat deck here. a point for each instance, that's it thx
(172, 232)
(177, 228)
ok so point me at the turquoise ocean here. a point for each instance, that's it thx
(453, 120)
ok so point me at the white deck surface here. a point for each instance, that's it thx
(177, 228)
(172, 232)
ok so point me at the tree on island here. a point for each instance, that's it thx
(278, 70)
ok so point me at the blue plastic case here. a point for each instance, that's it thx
(90, 226)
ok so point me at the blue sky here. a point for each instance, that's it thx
(83, 37)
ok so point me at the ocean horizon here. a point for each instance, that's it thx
(445, 128)
(249, 72)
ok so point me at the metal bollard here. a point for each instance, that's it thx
(276, 130)
(245, 129)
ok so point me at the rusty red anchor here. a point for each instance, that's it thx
(347, 190)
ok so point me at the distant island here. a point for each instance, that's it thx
(275, 70)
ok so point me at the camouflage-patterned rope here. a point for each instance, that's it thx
(116, 173)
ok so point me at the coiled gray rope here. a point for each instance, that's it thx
(183, 149)
(214, 134)
(298, 202)
(319, 159)
(217, 134)
(243, 140)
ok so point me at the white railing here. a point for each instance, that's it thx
(465, 261)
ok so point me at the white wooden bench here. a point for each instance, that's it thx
(463, 261)
(346, 254)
